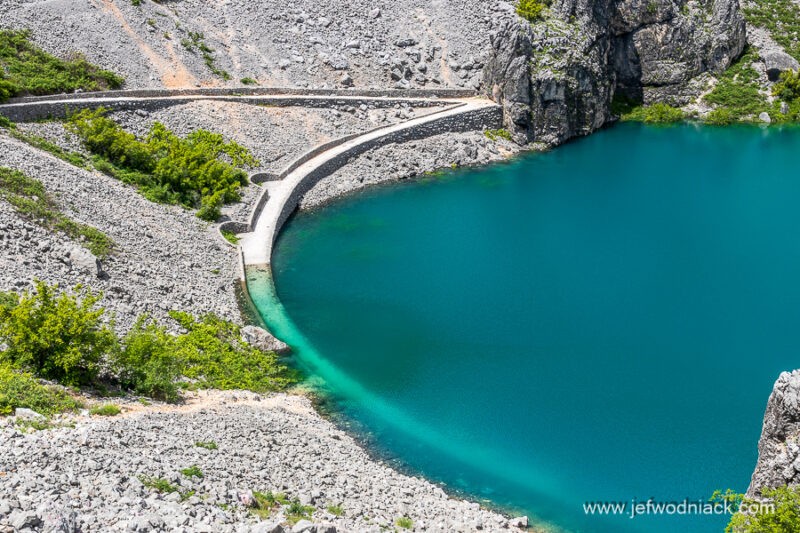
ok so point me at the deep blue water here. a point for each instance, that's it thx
(601, 322)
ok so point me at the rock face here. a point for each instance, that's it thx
(556, 78)
(779, 446)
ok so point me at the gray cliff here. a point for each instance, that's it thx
(556, 78)
(779, 447)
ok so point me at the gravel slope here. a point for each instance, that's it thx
(319, 43)
(87, 477)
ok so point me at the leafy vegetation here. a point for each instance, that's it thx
(788, 86)
(21, 389)
(198, 171)
(57, 336)
(654, 114)
(107, 409)
(494, 135)
(195, 42)
(208, 445)
(335, 510)
(192, 471)
(738, 91)
(26, 69)
(211, 354)
(530, 10)
(63, 337)
(230, 236)
(268, 502)
(756, 517)
(159, 484)
(248, 81)
(30, 199)
(296, 511)
(405, 523)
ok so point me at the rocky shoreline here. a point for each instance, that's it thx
(87, 475)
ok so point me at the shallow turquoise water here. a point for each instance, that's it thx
(601, 322)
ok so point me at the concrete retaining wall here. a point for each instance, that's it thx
(255, 91)
(486, 118)
(38, 110)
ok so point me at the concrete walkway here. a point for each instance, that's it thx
(284, 195)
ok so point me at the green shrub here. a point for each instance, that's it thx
(145, 363)
(296, 511)
(405, 523)
(107, 409)
(788, 86)
(5, 122)
(25, 69)
(248, 81)
(192, 471)
(158, 484)
(721, 116)
(335, 510)
(210, 353)
(493, 135)
(208, 445)
(230, 236)
(213, 354)
(198, 171)
(30, 199)
(21, 389)
(268, 502)
(530, 10)
(57, 336)
(654, 114)
(738, 89)
(783, 517)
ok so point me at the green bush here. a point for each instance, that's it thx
(145, 363)
(213, 354)
(494, 135)
(738, 89)
(721, 116)
(530, 10)
(788, 87)
(198, 171)
(21, 389)
(192, 471)
(404, 523)
(56, 336)
(784, 517)
(248, 81)
(25, 69)
(296, 511)
(107, 409)
(210, 353)
(208, 445)
(30, 199)
(654, 114)
(158, 484)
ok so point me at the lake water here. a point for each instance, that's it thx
(603, 322)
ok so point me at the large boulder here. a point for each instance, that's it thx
(263, 340)
(778, 61)
(82, 259)
(779, 447)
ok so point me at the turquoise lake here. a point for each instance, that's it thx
(602, 322)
